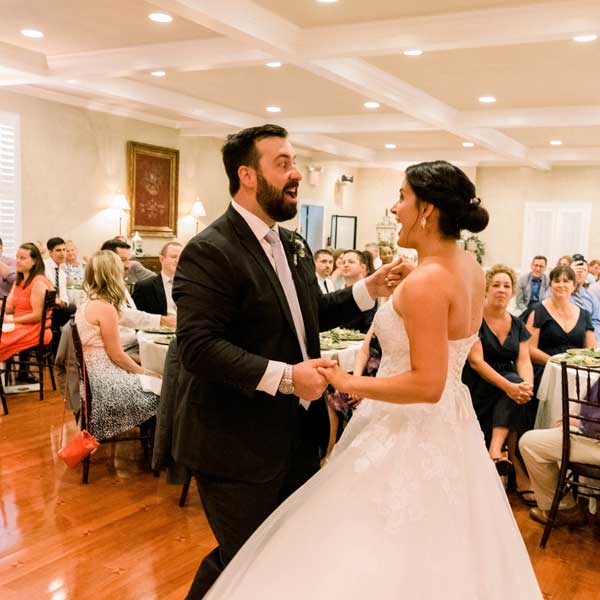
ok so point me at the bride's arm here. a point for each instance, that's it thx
(425, 316)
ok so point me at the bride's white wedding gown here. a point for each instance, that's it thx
(408, 507)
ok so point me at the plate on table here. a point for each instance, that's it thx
(164, 341)
(333, 345)
(160, 330)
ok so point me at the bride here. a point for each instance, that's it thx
(409, 505)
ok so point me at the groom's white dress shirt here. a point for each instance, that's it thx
(271, 378)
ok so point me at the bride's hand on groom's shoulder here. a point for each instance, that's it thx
(385, 280)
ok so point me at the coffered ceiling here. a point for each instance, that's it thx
(334, 57)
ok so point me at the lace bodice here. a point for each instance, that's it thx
(455, 403)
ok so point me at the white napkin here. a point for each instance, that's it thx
(151, 384)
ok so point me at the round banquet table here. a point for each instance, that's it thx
(344, 357)
(550, 394)
(152, 355)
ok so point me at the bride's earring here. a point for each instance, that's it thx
(423, 222)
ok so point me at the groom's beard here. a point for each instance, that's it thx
(273, 201)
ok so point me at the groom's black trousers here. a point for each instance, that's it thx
(235, 509)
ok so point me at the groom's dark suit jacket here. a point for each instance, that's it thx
(232, 317)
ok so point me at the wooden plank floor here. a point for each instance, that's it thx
(124, 537)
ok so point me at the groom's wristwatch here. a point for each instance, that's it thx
(286, 385)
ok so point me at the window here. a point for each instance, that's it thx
(10, 183)
(553, 230)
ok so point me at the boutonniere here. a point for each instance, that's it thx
(299, 247)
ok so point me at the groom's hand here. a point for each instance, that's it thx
(385, 280)
(309, 384)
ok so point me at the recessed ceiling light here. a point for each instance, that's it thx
(32, 33)
(160, 17)
(582, 39)
(556, 142)
(413, 52)
(468, 144)
(371, 104)
(487, 99)
(391, 146)
(326, 1)
(158, 73)
(274, 64)
(71, 81)
(273, 109)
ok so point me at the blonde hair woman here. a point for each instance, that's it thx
(119, 403)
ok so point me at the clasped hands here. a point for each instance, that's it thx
(311, 377)
(521, 392)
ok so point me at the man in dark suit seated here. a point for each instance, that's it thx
(155, 295)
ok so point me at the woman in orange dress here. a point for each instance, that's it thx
(25, 303)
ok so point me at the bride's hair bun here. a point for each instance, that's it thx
(452, 193)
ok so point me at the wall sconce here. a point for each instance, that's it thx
(314, 174)
(121, 204)
(198, 211)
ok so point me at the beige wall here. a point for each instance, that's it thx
(73, 161)
(505, 191)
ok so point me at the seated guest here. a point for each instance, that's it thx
(557, 324)
(57, 254)
(7, 272)
(582, 297)
(155, 295)
(74, 268)
(336, 275)
(130, 318)
(24, 306)
(119, 403)
(532, 286)
(355, 265)
(134, 271)
(594, 269)
(323, 268)
(386, 253)
(542, 452)
(500, 377)
(564, 261)
(373, 249)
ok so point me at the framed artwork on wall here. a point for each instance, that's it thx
(153, 175)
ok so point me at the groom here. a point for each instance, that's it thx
(249, 311)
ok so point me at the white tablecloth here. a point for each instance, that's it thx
(152, 355)
(344, 357)
(550, 394)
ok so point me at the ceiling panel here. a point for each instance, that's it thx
(524, 75)
(571, 137)
(310, 13)
(297, 92)
(403, 140)
(82, 25)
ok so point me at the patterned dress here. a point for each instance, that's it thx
(24, 335)
(118, 401)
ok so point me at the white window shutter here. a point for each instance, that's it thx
(10, 183)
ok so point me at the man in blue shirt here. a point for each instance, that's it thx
(532, 286)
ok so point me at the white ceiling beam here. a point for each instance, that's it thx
(187, 55)
(94, 104)
(355, 123)
(22, 60)
(555, 116)
(543, 22)
(332, 146)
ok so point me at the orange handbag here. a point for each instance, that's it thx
(84, 442)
